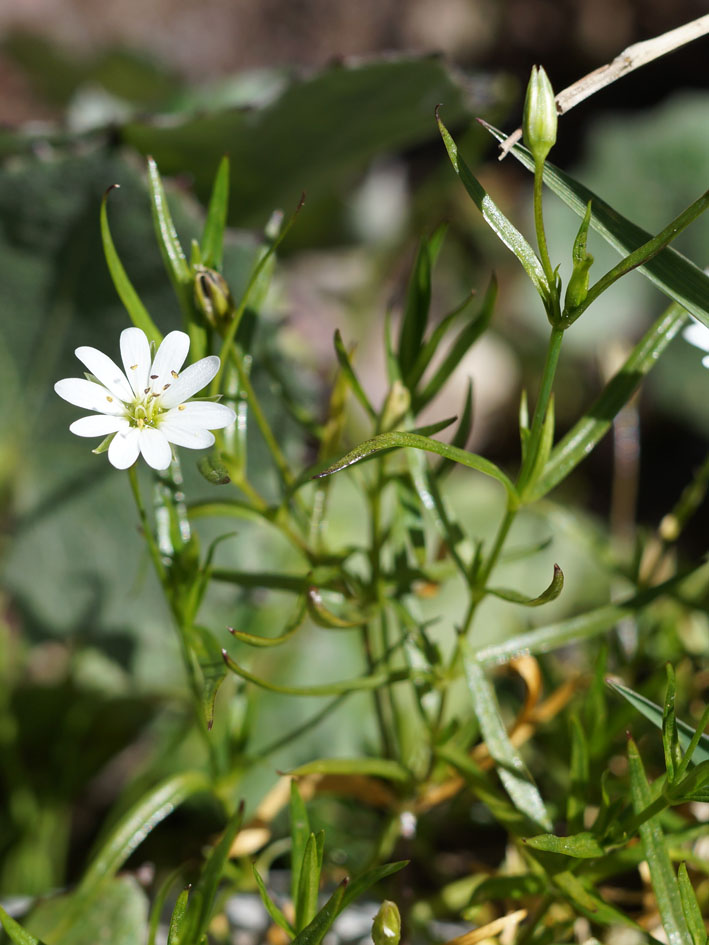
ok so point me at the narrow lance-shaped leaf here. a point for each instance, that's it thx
(299, 833)
(590, 624)
(465, 339)
(493, 216)
(173, 256)
(271, 907)
(177, 918)
(418, 301)
(360, 884)
(199, 907)
(15, 932)
(462, 433)
(511, 769)
(550, 593)
(215, 222)
(433, 342)
(597, 420)
(685, 733)
(670, 739)
(130, 298)
(580, 846)
(349, 373)
(671, 272)
(359, 683)
(306, 900)
(662, 875)
(396, 439)
(316, 931)
(383, 768)
(690, 907)
(291, 629)
(324, 617)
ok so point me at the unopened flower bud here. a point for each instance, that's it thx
(212, 296)
(540, 117)
(386, 928)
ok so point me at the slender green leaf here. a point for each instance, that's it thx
(299, 832)
(433, 343)
(582, 845)
(324, 617)
(158, 905)
(670, 740)
(596, 422)
(587, 900)
(177, 919)
(553, 636)
(580, 770)
(360, 884)
(135, 308)
(135, 825)
(271, 906)
(461, 435)
(690, 907)
(371, 767)
(209, 658)
(662, 875)
(316, 931)
(397, 439)
(291, 629)
(654, 713)
(671, 272)
(494, 217)
(15, 932)
(509, 887)
(349, 373)
(306, 900)
(549, 594)
(512, 770)
(459, 348)
(359, 683)
(215, 222)
(201, 901)
(418, 303)
(174, 258)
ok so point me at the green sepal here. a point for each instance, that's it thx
(103, 445)
(577, 289)
(550, 593)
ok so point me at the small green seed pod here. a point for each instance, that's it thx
(386, 928)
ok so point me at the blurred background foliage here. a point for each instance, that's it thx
(335, 100)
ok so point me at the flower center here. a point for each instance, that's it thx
(146, 409)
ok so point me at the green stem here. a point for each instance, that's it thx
(540, 410)
(147, 528)
(539, 227)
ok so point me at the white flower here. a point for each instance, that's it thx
(698, 335)
(146, 408)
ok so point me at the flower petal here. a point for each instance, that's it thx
(193, 379)
(193, 437)
(124, 448)
(135, 352)
(170, 357)
(155, 448)
(200, 413)
(89, 395)
(98, 425)
(106, 371)
(698, 335)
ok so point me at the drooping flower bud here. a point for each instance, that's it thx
(540, 116)
(212, 296)
(386, 928)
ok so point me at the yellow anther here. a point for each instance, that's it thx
(109, 399)
(181, 407)
(174, 374)
(133, 367)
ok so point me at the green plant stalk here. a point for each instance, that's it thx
(540, 410)
(541, 234)
(177, 616)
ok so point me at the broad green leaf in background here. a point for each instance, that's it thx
(314, 136)
(671, 272)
